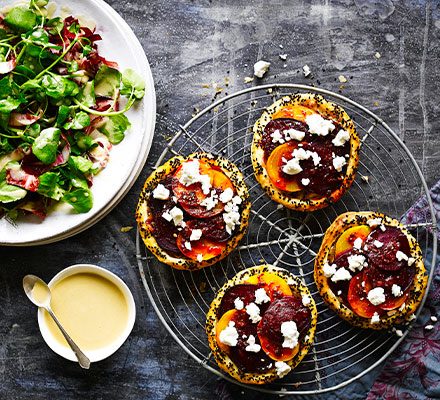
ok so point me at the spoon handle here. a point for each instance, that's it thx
(83, 361)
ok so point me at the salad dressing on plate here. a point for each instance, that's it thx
(91, 308)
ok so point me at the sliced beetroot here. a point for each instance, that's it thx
(358, 300)
(340, 288)
(384, 257)
(376, 277)
(288, 308)
(213, 228)
(246, 360)
(190, 197)
(244, 291)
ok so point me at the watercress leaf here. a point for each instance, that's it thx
(79, 121)
(9, 193)
(58, 87)
(114, 128)
(46, 144)
(107, 81)
(49, 186)
(87, 95)
(37, 4)
(80, 163)
(63, 114)
(5, 87)
(9, 104)
(21, 19)
(84, 142)
(132, 82)
(80, 199)
(34, 130)
(55, 26)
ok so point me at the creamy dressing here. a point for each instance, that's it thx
(91, 308)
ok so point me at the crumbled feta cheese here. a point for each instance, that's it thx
(373, 222)
(358, 243)
(341, 275)
(260, 68)
(401, 256)
(342, 78)
(161, 192)
(196, 234)
(378, 244)
(211, 201)
(238, 304)
(167, 216)
(283, 57)
(188, 246)
(356, 262)
(252, 346)
(339, 292)
(396, 290)
(294, 134)
(306, 70)
(341, 137)
(191, 174)
(382, 228)
(176, 215)
(365, 178)
(231, 216)
(399, 333)
(282, 368)
(433, 318)
(174, 198)
(375, 318)
(248, 79)
(429, 327)
(411, 261)
(199, 257)
(329, 270)
(227, 195)
(339, 162)
(290, 334)
(377, 55)
(402, 307)
(319, 125)
(376, 296)
(305, 181)
(277, 136)
(229, 335)
(305, 300)
(292, 167)
(261, 296)
(254, 312)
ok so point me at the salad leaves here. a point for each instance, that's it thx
(58, 98)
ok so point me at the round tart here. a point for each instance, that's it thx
(193, 211)
(305, 151)
(261, 324)
(370, 270)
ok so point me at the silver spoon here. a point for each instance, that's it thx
(43, 301)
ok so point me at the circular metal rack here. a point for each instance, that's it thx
(388, 180)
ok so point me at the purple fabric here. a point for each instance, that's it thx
(413, 370)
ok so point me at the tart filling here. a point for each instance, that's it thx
(262, 324)
(305, 151)
(370, 266)
(194, 209)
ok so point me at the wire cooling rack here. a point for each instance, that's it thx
(388, 180)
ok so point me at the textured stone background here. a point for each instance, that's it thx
(192, 44)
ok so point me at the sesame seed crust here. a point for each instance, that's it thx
(223, 360)
(302, 201)
(143, 212)
(326, 255)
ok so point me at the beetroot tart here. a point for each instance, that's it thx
(193, 211)
(261, 324)
(305, 151)
(370, 270)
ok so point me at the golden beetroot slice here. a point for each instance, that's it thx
(357, 298)
(203, 248)
(296, 112)
(274, 166)
(274, 285)
(346, 240)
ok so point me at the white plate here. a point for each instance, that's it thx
(126, 159)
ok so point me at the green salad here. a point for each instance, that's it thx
(62, 107)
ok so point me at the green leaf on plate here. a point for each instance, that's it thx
(107, 81)
(132, 82)
(9, 193)
(21, 19)
(46, 144)
(49, 186)
(80, 199)
(114, 128)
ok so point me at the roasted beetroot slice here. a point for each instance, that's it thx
(288, 308)
(245, 291)
(391, 302)
(247, 361)
(357, 298)
(384, 257)
(164, 232)
(375, 277)
(342, 262)
(213, 228)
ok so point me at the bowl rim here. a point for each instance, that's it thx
(98, 354)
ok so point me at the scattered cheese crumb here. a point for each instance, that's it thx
(199, 257)
(358, 243)
(365, 178)
(339, 162)
(283, 57)
(375, 318)
(305, 181)
(261, 296)
(248, 79)
(342, 79)
(290, 334)
(376, 296)
(305, 300)
(252, 346)
(341, 275)
(125, 229)
(306, 70)
(399, 333)
(378, 244)
(429, 327)
(319, 125)
(238, 304)
(377, 55)
(229, 335)
(188, 246)
(161, 192)
(282, 368)
(227, 195)
(373, 222)
(396, 290)
(433, 318)
(341, 138)
(196, 234)
(254, 312)
(356, 262)
(260, 68)
(329, 270)
(401, 256)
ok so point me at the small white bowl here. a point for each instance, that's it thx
(102, 353)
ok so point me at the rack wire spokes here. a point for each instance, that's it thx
(388, 180)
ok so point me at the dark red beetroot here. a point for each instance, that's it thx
(246, 360)
(385, 257)
(245, 291)
(341, 261)
(288, 308)
(213, 228)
